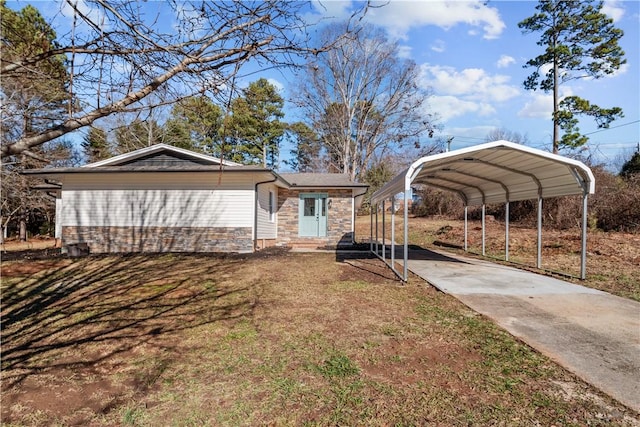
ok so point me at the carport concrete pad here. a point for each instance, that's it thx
(594, 334)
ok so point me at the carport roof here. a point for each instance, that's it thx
(495, 172)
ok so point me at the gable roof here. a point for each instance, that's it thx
(320, 180)
(160, 155)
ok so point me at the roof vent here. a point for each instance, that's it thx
(469, 159)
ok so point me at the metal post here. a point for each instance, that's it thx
(371, 226)
(539, 260)
(393, 233)
(506, 231)
(483, 232)
(583, 254)
(465, 227)
(377, 251)
(405, 271)
(384, 244)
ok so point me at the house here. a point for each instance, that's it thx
(167, 199)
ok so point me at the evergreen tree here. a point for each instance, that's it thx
(195, 124)
(37, 93)
(254, 126)
(631, 166)
(95, 145)
(580, 41)
(306, 154)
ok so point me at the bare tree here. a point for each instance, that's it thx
(362, 99)
(117, 56)
(498, 134)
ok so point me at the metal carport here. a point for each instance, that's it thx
(495, 172)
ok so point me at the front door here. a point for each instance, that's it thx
(313, 215)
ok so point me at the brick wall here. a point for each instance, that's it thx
(161, 239)
(338, 218)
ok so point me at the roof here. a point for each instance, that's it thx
(157, 150)
(126, 169)
(495, 172)
(319, 180)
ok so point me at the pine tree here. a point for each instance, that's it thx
(580, 41)
(95, 145)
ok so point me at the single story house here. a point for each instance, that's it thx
(167, 199)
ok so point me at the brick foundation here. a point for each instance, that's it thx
(338, 219)
(160, 239)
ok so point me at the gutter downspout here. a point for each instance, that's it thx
(255, 212)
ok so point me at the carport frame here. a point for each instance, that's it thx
(486, 178)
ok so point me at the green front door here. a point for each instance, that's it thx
(313, 215)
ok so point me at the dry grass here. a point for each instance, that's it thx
(273, 338)
(613, 258)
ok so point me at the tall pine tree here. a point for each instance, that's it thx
(579, 41)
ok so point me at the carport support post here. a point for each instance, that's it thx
(405, 271)
(583, 253)
(483, 232)
(377, 252)
(371, 226)
(506, 231)
(393, 233)
(384, 245)
(466, 209)
(539, 259)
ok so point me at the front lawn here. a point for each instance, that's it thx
(270, 338)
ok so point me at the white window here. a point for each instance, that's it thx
(272, 211)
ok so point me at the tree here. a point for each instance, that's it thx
(36, 95)
(195, 124)
(631, 166)
(95, 145)
(505, 134)
(580, 42)
(363, 99)
(138, 134)
(306, 152)
(117, 56)
(255, 123)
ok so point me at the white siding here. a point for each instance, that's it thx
(267, 229)
(170, 200)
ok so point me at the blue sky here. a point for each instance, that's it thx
(471, 54)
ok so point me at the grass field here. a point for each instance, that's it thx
(271, 338)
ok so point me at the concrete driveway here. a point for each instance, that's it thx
(591, 333)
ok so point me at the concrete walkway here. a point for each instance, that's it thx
(591, 333)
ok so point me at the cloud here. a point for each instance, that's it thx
(277, 84)
(540, 105)
(448, 107)
(505, 61)
(404, 51)
(438, 46)
(613, 9)
(399, 17)
(471, 83)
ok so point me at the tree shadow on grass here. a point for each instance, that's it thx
(118, 302)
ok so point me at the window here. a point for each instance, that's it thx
(272, 211)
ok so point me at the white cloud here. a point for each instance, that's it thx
(505, 61)
(470, 83)
(613, 9)
(448, 107)
(398, 17)
(438, 46)
(404, 51)
(540, 104)
(277, 84)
